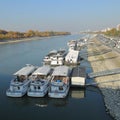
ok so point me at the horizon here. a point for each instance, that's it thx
(70, 16)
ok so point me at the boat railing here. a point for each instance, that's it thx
(14, 91)
(57, 83)
(48, 78)
(16, 82)
(37, 82)
(57, 91)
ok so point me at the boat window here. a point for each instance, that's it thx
(60, 88)
(22, 78)
(35, 87)
(38, 87)
(42, 82)
(58, 80)
(18, 88)
(18, 78)
(42, 76)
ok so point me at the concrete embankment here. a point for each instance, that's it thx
(106, 61)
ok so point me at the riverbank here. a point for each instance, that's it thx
(23, 39)
(107, 61)
(19, 40)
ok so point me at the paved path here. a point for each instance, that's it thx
(103, 73)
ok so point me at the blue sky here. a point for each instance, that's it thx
(59, 15)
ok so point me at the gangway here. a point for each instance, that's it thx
(97, 83)
(104, 73)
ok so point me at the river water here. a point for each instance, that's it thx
(80, 104)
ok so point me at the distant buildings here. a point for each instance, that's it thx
(104, 30)
(108, 29)
(118, 27)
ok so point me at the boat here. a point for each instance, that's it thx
(72, 44)
(49, 56)
(58, 58)
(60, 82)
(78, 77)
(72, 58)
(81, 43)
(19, 85)
(55, 57)
(40, 80)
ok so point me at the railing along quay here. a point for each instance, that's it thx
(103, 73)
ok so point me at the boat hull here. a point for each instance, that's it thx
(37, 93)
(18, 93)
(58, 94)
(15, 93)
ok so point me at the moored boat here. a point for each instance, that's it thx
(55, 57)
(58, 58)
(40, 80)
(49, 56)
(19, 85)
(72, 58)
(78, 76)
(60, 82)
(72, 44)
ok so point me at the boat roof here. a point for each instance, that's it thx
(79, 72)
(61, 50)
(25, 70)
(61, 71)
(44, 70)
(72, 54)
(53, 52)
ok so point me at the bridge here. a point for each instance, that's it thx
(104, 73)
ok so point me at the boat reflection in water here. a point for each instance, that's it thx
(77, 93)
(74, 93)
(42, 102)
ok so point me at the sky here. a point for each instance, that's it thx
(59, 15)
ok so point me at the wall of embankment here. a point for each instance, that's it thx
(107, 61)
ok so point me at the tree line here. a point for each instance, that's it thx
(30, 33)
(112, 32)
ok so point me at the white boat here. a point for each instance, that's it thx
(55, 57)
(49, 56)
(19, 85)
(72, 57)
(60, 82)
(58, 58)
(78, 76)
(72, 44)
(40, 80)
(82, 42)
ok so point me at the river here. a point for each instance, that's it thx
(80, 104)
